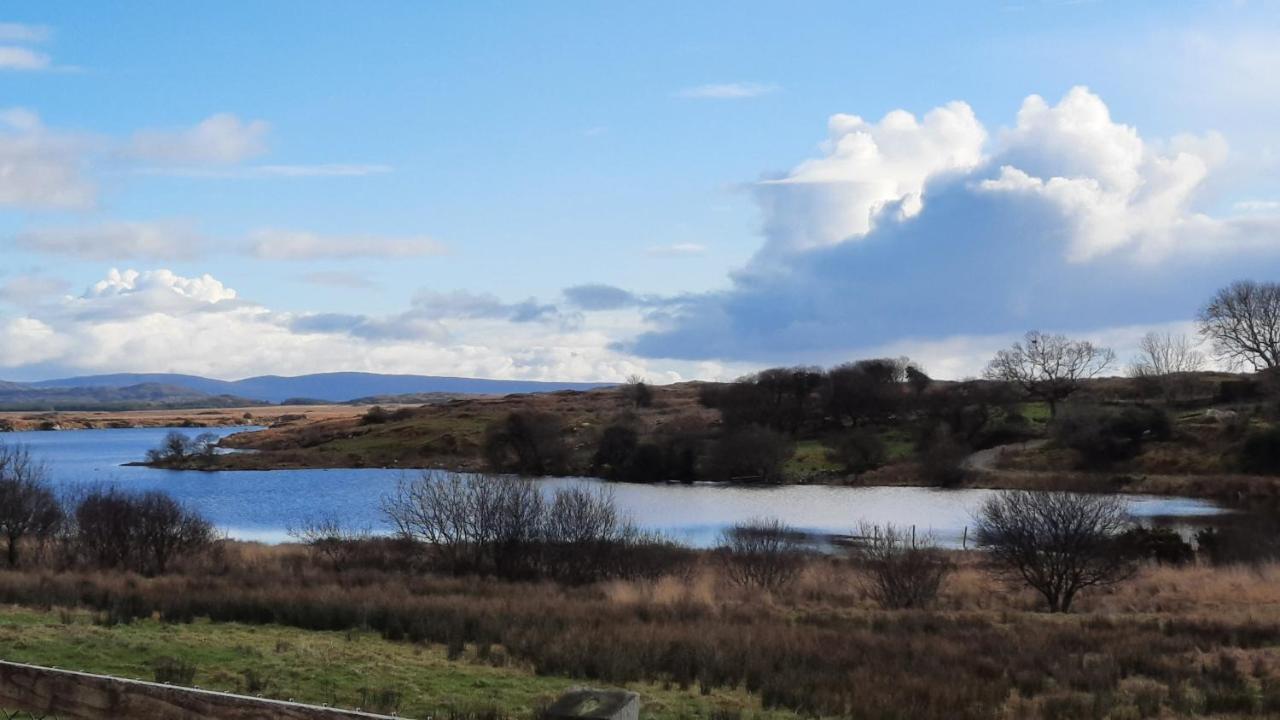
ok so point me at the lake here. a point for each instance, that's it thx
(256, 505)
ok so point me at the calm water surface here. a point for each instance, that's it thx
(255, 505)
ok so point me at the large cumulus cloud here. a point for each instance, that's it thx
(1067, 220)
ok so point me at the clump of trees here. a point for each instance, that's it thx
(527, 442)
(505, 526)
(143, 532)
(181, 450)
(1058, 544)
(751, 454)
(1049, 367)
(1102, 436)
(102, 527)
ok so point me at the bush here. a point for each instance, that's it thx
(143, 532)
(1157, 544)
(762, 553)
(527, 442)
(860, 451)
(1106, 436)
(1056, 543)
(750, 454)
(1261, 452)
(903, 572)
(378, 415)
(942, 457)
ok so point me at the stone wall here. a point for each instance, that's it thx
(83, 696)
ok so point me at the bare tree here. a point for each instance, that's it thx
(167, 530)
(1049, 367)
(1057, 543)
(1243, 322)
(1162, 354)
(330, 538)
(902, 572)
(764, 553)
(28, 507)
(1164, 362)
(638, 390)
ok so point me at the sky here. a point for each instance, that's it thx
(588, 191)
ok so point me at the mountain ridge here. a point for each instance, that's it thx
(337, 387)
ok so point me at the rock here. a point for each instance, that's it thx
(595, 705)
(1221, 415)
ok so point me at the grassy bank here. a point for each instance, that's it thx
(345, 669)
(1172, 642)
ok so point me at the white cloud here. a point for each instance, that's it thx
(728, 91)
(866, 169)
(20, 58)
(25, 340)
(675, 250)
(279, 244)
(1068, 219)
(1114, 189)
(41, 169)
(221, 139)
(116, 241)
(157, 320)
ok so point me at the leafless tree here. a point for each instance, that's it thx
(143, 532)
(167, 530)
(503, 524)
(328, 537)
(902, 571)
(1057, 543)
(1243, 323)
(28, 507)
(1164, 362)
(638, 390)
(764, 553)
(1162, 354)
(1049, 367)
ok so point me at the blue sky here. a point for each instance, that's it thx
(289, 187)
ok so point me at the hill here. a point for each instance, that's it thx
(328, 387)
(14, 396)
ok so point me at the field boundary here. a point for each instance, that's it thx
(75, 695)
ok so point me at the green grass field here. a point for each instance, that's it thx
(344, 669)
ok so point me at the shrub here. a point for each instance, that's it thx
(942, 457)
(1261, 452)
(1103, 437)
(903, 572)
(762, 553)
(1158, 544)
(750, 454)
(527, 442)
(861, 450)
(1056, 543)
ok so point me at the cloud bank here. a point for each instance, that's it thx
(936, 227)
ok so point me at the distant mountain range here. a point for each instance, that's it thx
(169, 390)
